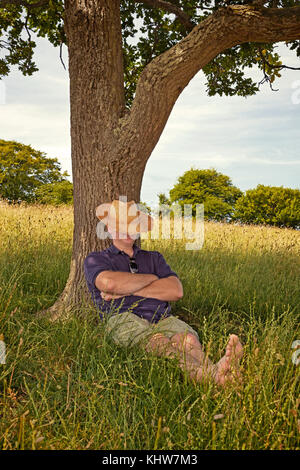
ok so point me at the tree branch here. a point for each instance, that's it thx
(60, 54)
(265, 62)
(164, 78)
(274, 66)
(266, 77)
(171, 8)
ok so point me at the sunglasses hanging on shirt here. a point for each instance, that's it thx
(132, 263)
(133, 266)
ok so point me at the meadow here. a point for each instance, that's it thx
(65, 385)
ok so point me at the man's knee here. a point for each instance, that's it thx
(156, 341)
(185, 339)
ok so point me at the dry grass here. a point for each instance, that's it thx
(66, 386)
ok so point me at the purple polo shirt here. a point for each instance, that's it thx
(113, 259)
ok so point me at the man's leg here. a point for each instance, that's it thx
(186, 346)
(182, 335)
(223, 369)
(187, 349)
(189, 344)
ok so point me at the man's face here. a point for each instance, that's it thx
(123, 237)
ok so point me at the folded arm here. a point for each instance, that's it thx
(117, 284)
(121, 283)
(167, 288)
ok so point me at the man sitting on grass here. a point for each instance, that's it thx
(133, 288)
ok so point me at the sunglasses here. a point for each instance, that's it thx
(133, 266)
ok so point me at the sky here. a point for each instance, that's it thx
(253, 140)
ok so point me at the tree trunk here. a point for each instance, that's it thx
(102, 168)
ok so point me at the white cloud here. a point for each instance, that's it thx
(253, 140)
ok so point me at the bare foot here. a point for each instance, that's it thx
(229, 362)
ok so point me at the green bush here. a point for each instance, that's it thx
(55, 193)
(209, 187)
(269, 205)
(23, 170)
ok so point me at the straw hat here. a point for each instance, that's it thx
(124, 217)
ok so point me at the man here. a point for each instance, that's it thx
(133, 288)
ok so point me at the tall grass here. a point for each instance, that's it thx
(65, 385)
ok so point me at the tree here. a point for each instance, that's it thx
(24, 170)
(145, 208)
(55, 193)
(164, 205)
(269, 205)
(121, 95)
(209, 187)
(162, 199)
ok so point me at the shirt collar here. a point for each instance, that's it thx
(113, 249)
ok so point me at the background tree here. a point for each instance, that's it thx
(269, 205)
(55, 193)
(23, 170)
(121, 95)
(164, 204)
(210, 187)
(162, 199)
(145, 207)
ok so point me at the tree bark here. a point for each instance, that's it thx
(102, 169)
(110, 147)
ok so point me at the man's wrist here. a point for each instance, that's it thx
(155, 278)
(138, 291)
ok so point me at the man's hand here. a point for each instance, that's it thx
(169, 288)
(109, 295)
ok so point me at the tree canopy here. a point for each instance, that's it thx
(163, 24)
(270, 205)
(57, 193)
(23, 170)
(210, 187)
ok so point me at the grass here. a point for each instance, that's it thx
(65, 385)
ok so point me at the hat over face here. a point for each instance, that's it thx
(124, 217)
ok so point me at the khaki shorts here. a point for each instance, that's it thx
(128, 329)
